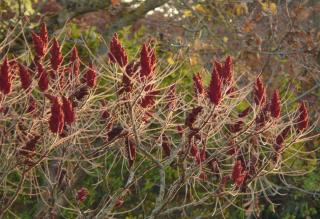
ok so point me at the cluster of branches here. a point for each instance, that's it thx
(64, 119)
(279, 35)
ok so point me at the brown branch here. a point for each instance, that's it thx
(127, 18)
(76, 8)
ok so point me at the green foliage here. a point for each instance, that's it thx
(312, 181)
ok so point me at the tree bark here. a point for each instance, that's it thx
(75, 8)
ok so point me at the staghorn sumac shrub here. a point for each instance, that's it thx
(96, 139)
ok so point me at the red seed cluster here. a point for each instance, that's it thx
(194, 140)
(128, 76)
(238, 173)
(29, 148)
(192, 117)
(226, 75)
(214, 91)
(148, 100)
(39, 45)
(68, 110)
(224, 70)
(194, 150)
(259, 93)
(203, 153)
(220, 68)
(43, 82)
(147, 61)
(275, 105)
(117, 53)
(281, 138)
(90, 77)
(75, 63)
(56, 55)
(82, 194)
(44, 34)
(56, 121)
(198, 84)
(5, 77)
(25, 78)
(180, 130)
(302, 122)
